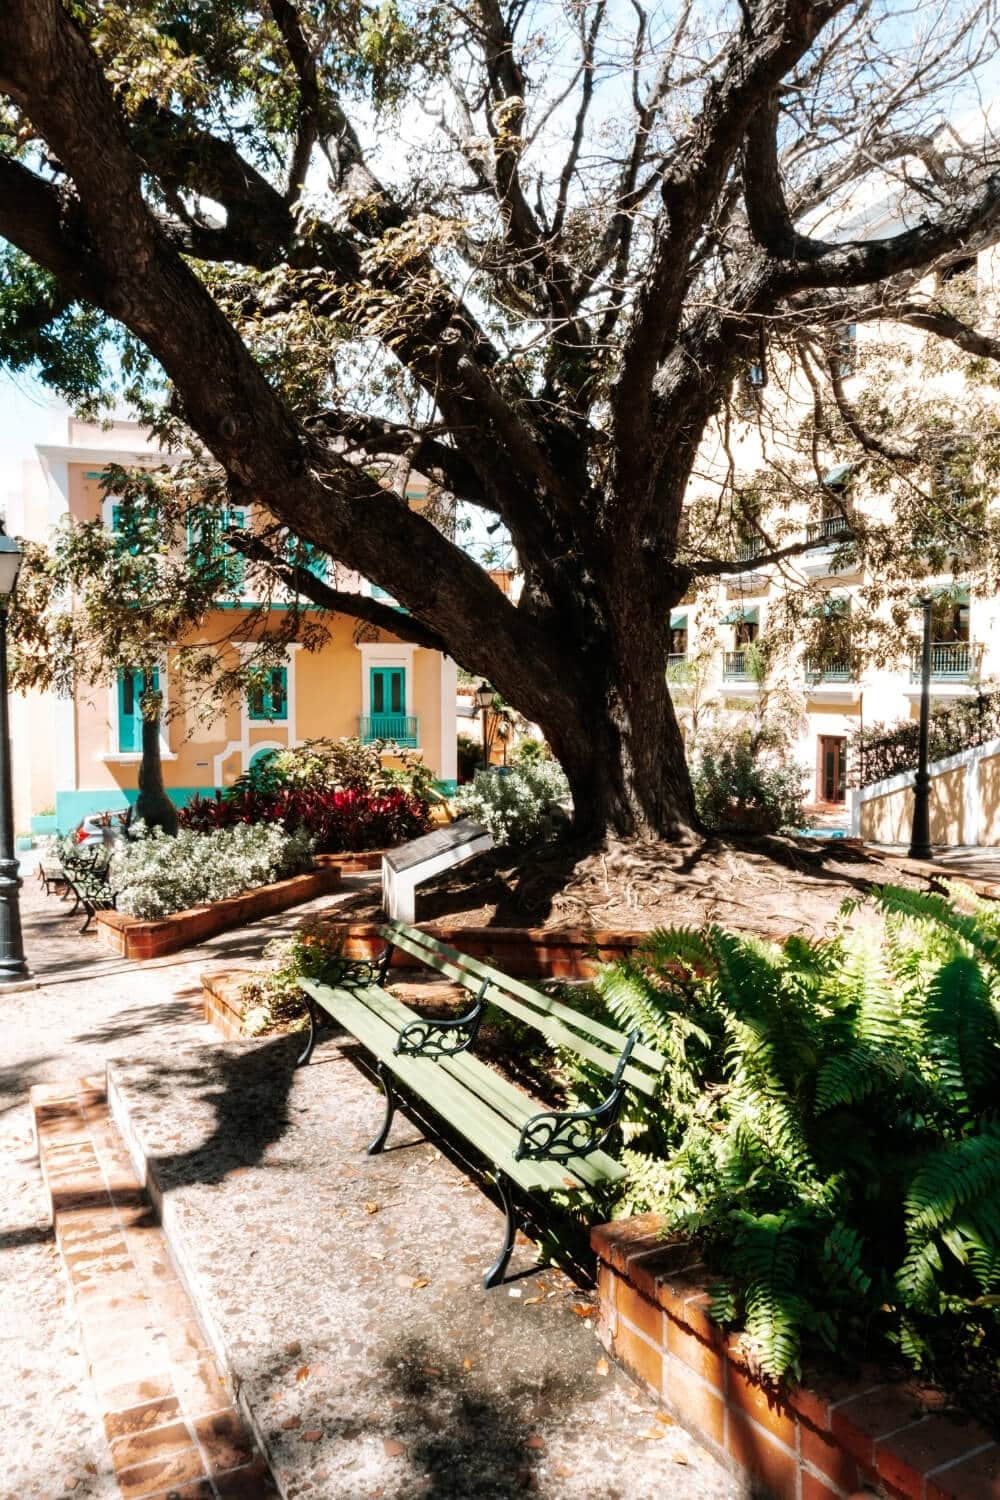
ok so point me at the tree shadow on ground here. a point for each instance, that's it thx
(18, 1078)
(139, 1021)
(248, 1089)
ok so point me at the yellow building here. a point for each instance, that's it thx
(80, 754)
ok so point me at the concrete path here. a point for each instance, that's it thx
(341, 1291)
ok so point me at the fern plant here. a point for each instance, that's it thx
(828, 1121)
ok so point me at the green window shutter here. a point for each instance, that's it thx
(270, 700)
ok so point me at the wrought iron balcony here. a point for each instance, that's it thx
(837, 670)
(398, 729)
(747, 551)
(828, 530)
(950, 661)
(736, 666)
(676, 659)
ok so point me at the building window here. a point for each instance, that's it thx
(846, 349)
(746, 630)
(388, 719)
(131, 686)
(269, 698)
(678, 639)
(210, 553)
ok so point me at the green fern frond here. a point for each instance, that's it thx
(954, 1178)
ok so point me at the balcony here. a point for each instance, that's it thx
(839, 670)
(676, 659)
(747, 551)
(736, 666)
(396, 729)
(828, 530)
(951, 661)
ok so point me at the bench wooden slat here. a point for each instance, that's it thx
(498, 1093)
(547, 1004)
(554, 1030)
(453, 1091)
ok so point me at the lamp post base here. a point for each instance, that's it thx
(13, 965)
(920, 833)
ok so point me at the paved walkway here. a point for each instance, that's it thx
(298, 1247)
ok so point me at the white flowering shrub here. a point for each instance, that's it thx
(530, 802)
(155, 876)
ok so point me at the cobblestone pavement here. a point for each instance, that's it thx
(430, 1388)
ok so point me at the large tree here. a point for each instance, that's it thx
(603, 215)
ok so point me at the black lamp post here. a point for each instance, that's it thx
(920, 830)
(484, 702)
(12, 962)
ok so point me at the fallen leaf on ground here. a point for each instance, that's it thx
(679, 1458)
(584, 1309)
(661, 1416)
(313, 1435)
(371, 1208)
(419, 1281)
(291, 1423)
(651, 1435)
(602, 1367)
(431, 1370)
(533, 1301)
(466, 1364)
(302, 1373)
(393, 1447)
(562, 1471)
(536, 1442)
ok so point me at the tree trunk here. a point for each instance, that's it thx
(622, 749)
(153, 805)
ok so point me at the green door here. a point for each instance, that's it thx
(388, 718)
(131, 686)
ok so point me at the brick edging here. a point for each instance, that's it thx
(532, 952)
(133, 937)
(818, 1442)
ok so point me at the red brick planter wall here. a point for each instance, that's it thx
(825, 1442)
(134, 938)
(532, 952)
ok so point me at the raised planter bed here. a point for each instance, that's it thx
(532, 952)
(133, 937)
(823, 1441)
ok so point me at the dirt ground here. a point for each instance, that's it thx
(771, 886)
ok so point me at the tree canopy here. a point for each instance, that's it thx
(529, 251)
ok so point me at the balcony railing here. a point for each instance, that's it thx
(827, 530)
(676, 659)
(736, 666)
(400, 729)
(747, 551)
(949, 660)
(839, 670)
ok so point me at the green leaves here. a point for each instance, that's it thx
(827, 1126)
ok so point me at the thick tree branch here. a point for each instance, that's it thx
(302, 581)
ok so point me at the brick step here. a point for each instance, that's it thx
(169, 1416)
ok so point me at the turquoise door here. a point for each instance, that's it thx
(388, 719)
(131, 685)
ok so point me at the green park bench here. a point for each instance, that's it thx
(538, 1151)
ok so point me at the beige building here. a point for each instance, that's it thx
(80, 754)
(713, 661)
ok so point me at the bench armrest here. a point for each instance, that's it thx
(560, 1134)
(443, 1038)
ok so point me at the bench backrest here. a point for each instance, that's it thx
(563, 1026)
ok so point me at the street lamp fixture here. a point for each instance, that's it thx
(12, 964)
(484, 702)
(920, 829)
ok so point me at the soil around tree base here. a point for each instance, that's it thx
(769, 885)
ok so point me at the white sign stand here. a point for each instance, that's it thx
(405, 868)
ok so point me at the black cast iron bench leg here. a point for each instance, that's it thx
(495, 1274)
(385, 1079)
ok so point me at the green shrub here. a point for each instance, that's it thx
(827, 1125)
(272, 997)
(742, 785)
(520, 805)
